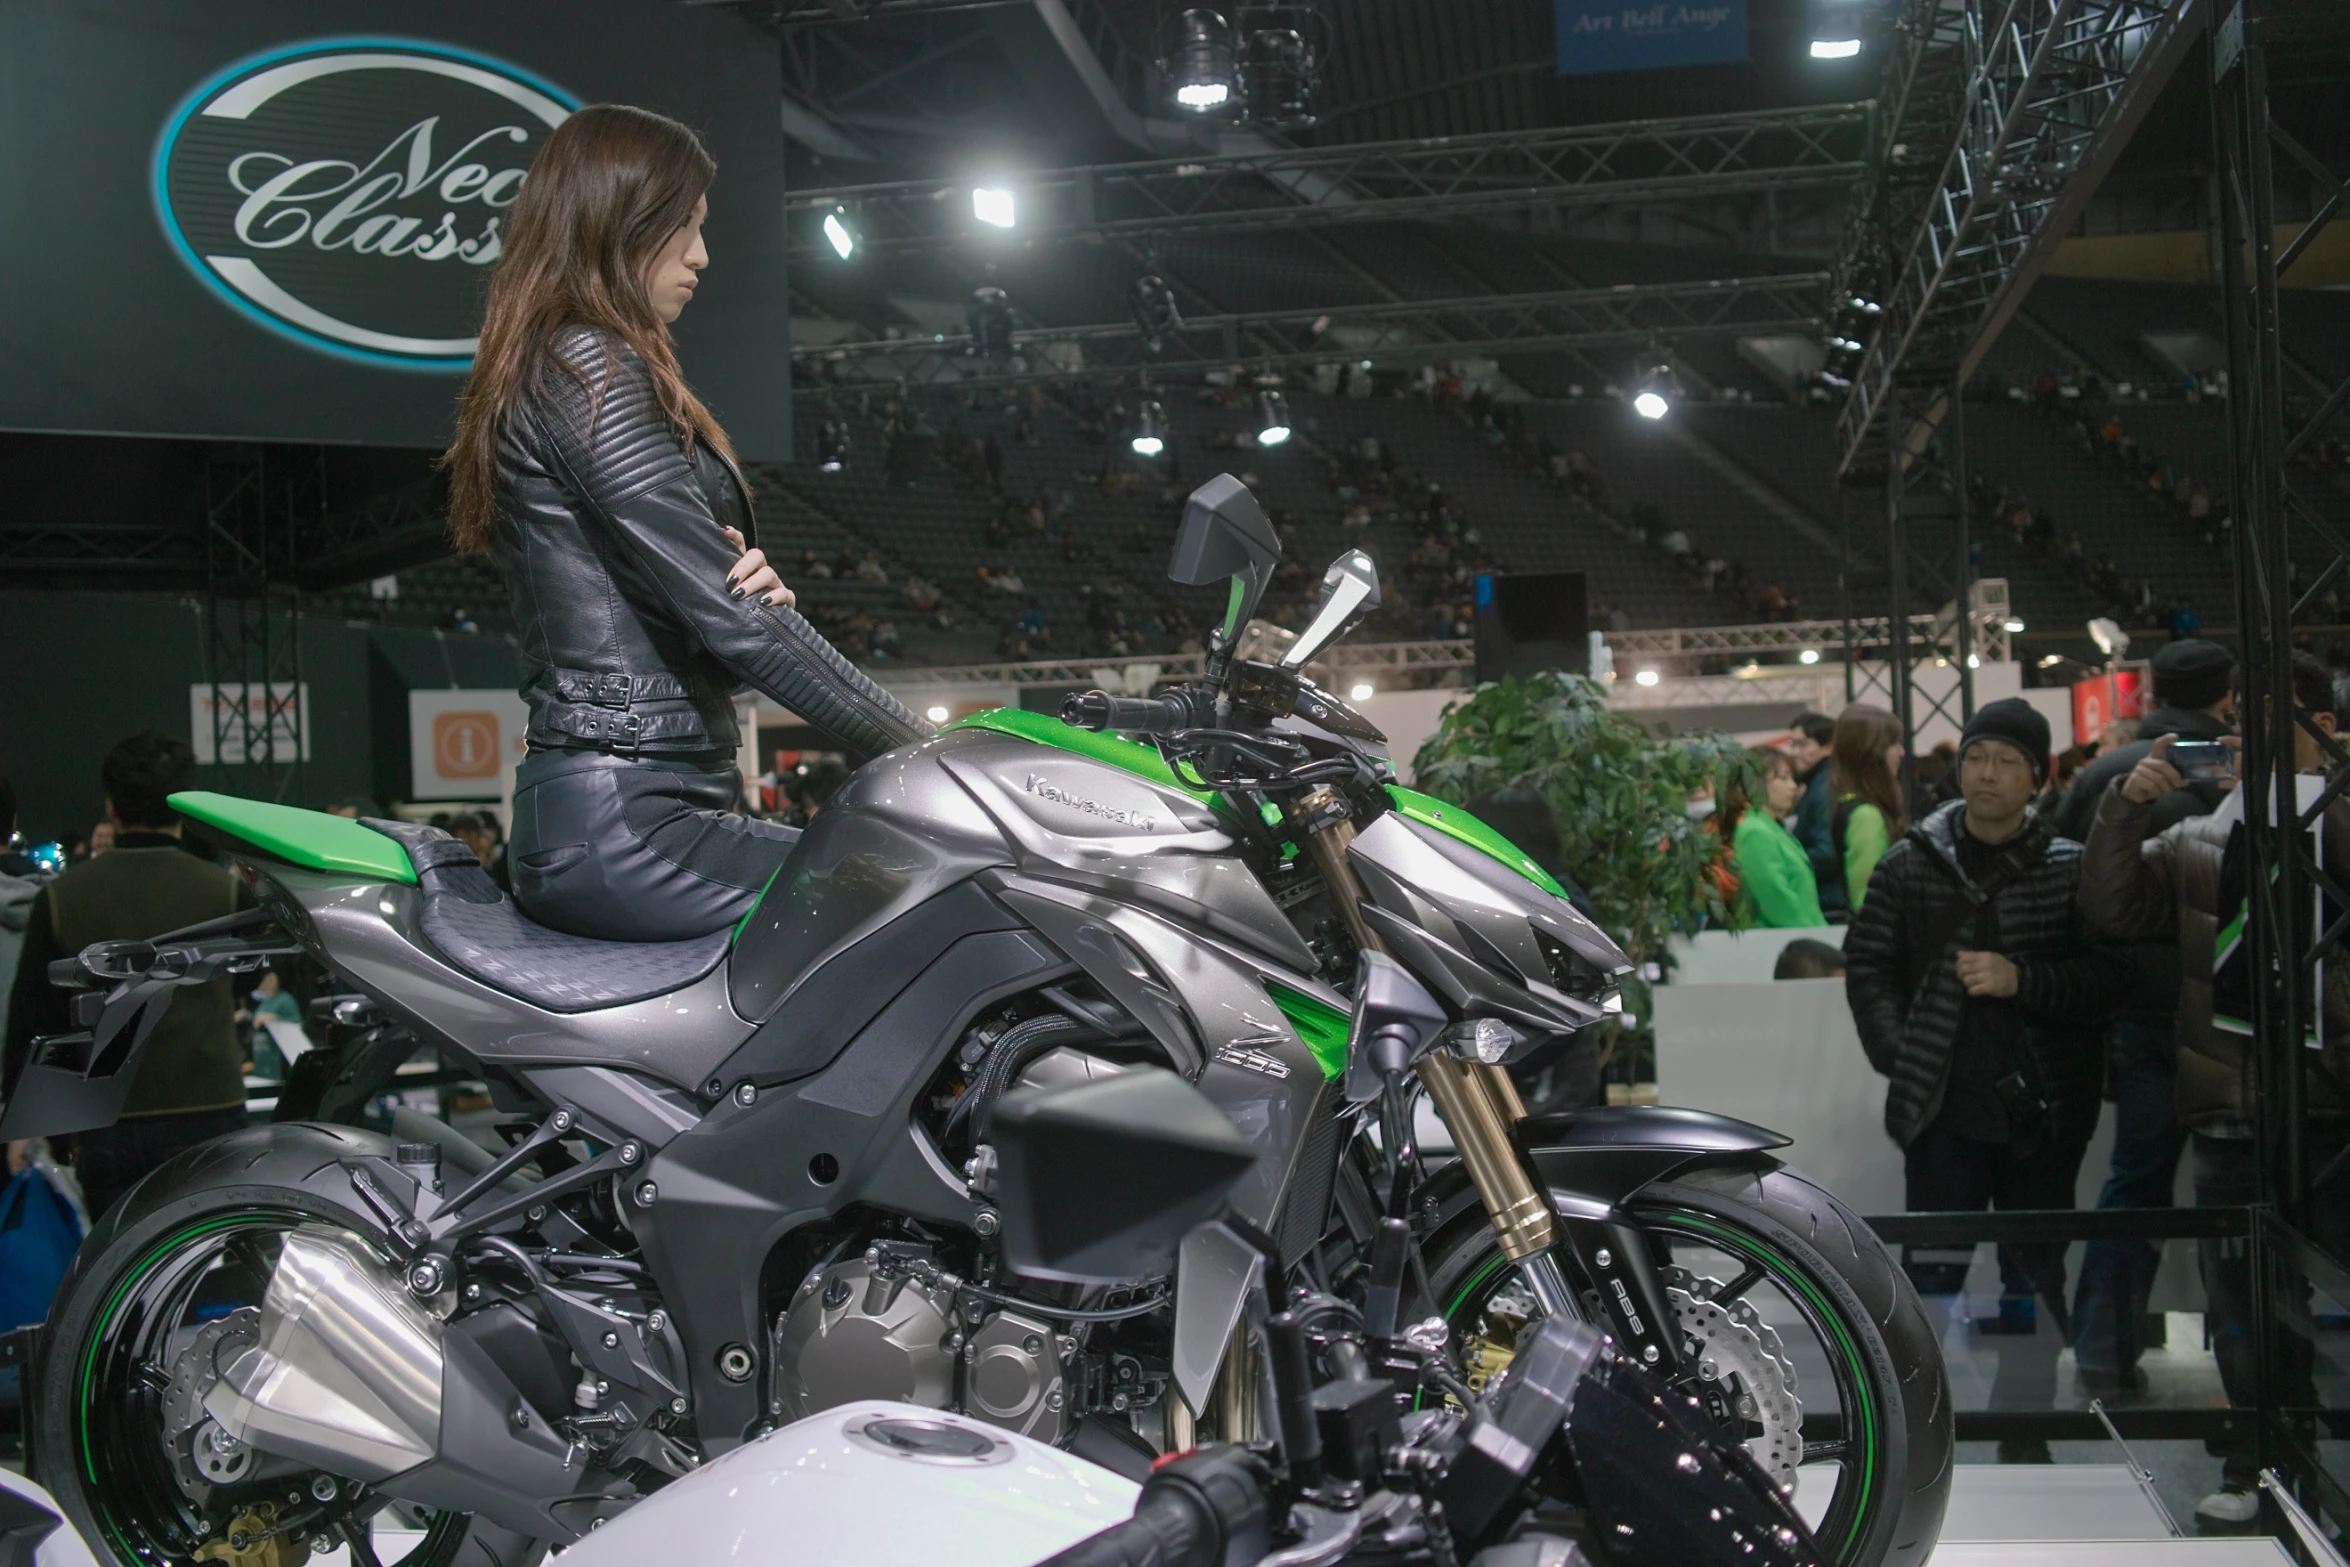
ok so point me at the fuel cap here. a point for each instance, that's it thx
(928, 1441)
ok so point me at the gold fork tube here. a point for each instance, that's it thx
(1478, 1102)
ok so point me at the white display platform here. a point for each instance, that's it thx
(2114, 1553)
(1784, 1054)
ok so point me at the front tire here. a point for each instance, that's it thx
(1893, 1427)
(188, 1246)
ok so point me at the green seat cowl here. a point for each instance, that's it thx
(312, 840)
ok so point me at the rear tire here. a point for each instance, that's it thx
(96, 1415)
(1833, 1267)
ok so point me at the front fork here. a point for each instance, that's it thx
(1481, 1108)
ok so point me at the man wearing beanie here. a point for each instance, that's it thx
(1978, 992)
(2195, 699)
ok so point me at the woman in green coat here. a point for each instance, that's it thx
(1776, 888)
(1864, 773)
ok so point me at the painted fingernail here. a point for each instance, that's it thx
(738, 592)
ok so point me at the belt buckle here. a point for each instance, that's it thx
(626, 732)
(613, 691)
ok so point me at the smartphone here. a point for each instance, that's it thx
(2204, 760)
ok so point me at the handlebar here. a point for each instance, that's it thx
(1162, 714)
(1199, 1510)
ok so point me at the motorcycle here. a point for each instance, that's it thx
(1630, 1472)
(747, 1177)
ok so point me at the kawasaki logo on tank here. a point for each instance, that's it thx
(351, 193)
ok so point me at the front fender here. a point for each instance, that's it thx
(1596, 1160)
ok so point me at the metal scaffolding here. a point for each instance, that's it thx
(2287, 554)
(1636, 162)
(258, 504)
(2001, 118)
(1374, 661)
(1419, 330)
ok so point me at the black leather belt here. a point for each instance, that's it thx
(622, 731)
(615, 689)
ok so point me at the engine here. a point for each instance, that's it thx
(865, 1329)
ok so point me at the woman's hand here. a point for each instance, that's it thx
(752, 575)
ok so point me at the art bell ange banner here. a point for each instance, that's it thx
(1614, 35)
(275, 219)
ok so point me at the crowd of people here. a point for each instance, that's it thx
(2023, 949)
(1503, 429)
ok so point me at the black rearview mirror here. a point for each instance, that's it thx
(1098, 1181)
(1226, 534)
(1350, 590)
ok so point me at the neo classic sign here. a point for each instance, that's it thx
(351, 194)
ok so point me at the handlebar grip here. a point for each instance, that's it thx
(1161, 714)
(1199, 1510)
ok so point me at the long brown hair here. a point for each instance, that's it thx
(605, 193)
(1856, 762)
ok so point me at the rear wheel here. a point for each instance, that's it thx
(1801, 1335)
(163, 1297)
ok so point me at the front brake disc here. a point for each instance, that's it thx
(1743, 1372)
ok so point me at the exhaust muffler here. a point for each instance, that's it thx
(348, 1371)
(352, 1376)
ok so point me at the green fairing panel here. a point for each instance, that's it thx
(312, 840)
(1454, 822)
(1111, 750)
(1322, 1028)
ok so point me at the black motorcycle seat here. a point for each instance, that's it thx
(484, 935)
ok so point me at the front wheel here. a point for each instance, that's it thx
(1799, 1332)
(162, 1296)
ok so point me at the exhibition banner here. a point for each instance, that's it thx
(462, 744)
(1610, 35)
(276, 219)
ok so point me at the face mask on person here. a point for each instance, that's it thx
(1701, 808)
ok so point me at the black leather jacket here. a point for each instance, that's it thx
(607, 534)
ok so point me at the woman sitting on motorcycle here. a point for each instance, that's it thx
(612, 503)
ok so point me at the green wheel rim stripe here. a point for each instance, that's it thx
(1740, 1245)
(1784, 1272)
(138, 1271)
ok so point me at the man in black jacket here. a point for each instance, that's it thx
(2195, 696)
(1977, 992)
(2195, 699)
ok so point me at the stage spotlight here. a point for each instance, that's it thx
(1150, 430)
(1646, 677)
(990, 316)
(1272, 418)
(832, 447)
(993, 206)
(1281, 76)
(1201, 66)
(1360, 691)
(2015, 628)
(837, 231)
(1834, 48)
(1153, 303)
(1810, 655)
(937, 715)
(1654, 394)
(1867, 307)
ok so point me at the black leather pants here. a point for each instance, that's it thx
(636, 849)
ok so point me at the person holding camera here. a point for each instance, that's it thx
(1977, 991)
(2195, 706)
(2188, 881)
